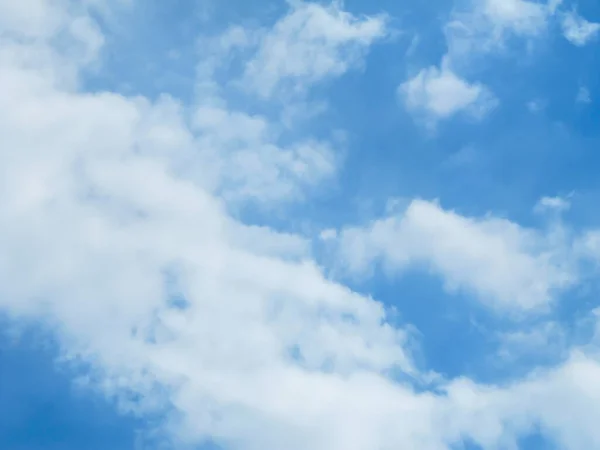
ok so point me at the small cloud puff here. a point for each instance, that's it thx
(440, 94)
(578, 30)
(584, 95)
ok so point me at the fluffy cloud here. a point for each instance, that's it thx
(577, 30)
(504, 265)
(249, 162)
(310, 44)
(519, 16)
(116, 233)
(487, 26)
(479, 28)
(439, 94)
(113, 206)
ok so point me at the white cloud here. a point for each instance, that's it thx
(553, 5)
(112, 205)
(486, 26)
(520, 16)
(577, 30)
(482, 27)
(560, 400)
(33, 18)
(328, 235)
(440, 94)
(589, 244)
(555, 204)
(102, 195)
(504, 265)
(248, 162)
(310, 44)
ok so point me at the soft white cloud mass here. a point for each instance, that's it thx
(519, 16)
(116, 233)
(112, 205)
(310, 44)
(486, 26)
(440, 94)
(577, 30)
(503, 264)
(480, 27)
(249, 163)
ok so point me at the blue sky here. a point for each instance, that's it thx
(301, 225)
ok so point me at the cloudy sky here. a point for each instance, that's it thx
(300, 225)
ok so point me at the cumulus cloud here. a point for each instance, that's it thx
(112, 206)
(486, 26)
(479, 28)
(250, 163)
(504, 265)
(520, 16)
(34, 18)
(310, 44)
(577, 30)
(440, 94)
(116, 233)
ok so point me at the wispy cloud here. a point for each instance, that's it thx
(310, 44)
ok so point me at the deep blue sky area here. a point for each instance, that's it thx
(41, 408)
